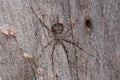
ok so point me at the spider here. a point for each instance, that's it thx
(59, 38)
(57, 31)
(58, 34)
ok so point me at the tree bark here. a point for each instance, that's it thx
(96, 30)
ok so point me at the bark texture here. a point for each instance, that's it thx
(97, 31)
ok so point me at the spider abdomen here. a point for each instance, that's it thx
(58, 36)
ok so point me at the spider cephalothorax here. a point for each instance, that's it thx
(57, 30)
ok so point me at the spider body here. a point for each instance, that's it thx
(57, 30)
(59, 36)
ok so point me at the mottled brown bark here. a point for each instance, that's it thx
(97, 31)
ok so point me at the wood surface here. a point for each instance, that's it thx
(96, 29)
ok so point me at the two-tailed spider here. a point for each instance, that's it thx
(58, 34)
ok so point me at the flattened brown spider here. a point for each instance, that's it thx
(58, 34)
(57, 30)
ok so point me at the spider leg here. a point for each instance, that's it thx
(65, 49)
(53, 50)
(67, 35)
(47, 45)
(73, 43)
(40, 20)
(71, 26)
(52, 59)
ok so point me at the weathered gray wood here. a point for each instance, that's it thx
(102, 39)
